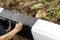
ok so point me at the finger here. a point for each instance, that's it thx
(20, 23)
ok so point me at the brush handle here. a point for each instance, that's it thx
(16, 17)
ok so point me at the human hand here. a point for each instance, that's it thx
(19, 26)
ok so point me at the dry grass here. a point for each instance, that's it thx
(31, 8)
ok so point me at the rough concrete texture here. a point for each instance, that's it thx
(15, 16)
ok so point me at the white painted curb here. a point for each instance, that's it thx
(44, 30)
(1, 9)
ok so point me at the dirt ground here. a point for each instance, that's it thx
(47, 9)
(17, 37)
